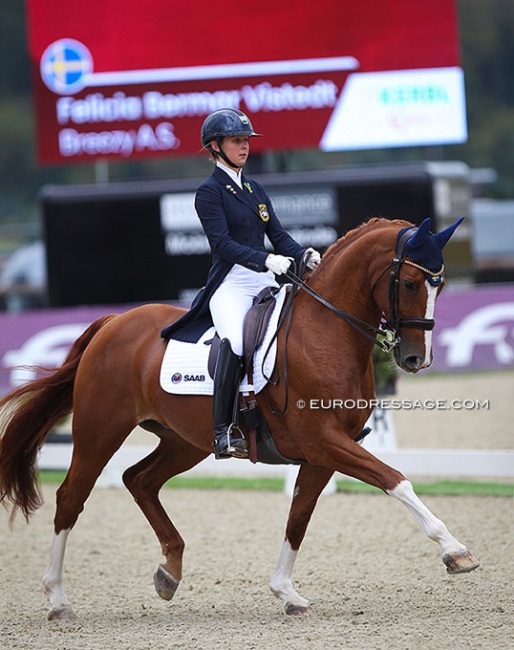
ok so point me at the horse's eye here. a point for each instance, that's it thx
(409, 285)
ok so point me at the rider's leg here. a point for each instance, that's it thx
(227, 376)
(228, 307)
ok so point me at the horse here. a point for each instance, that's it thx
(110, 380)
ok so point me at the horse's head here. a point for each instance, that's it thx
(416, 278)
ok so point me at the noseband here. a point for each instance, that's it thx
(389, 329)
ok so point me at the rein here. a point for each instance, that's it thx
(388, 329)
(287, 313)
(359, 325)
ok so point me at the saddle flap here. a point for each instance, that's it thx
(213, 354)
(256, 322)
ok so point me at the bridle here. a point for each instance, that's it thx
(386, 336)
(394, 323)
(388, 331)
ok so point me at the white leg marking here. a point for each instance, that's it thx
(53, 576)
(434, 528)
(429, 313)
(281, 581)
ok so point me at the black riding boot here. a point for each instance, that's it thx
(227, 377)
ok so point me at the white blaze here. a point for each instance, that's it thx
(429, 314)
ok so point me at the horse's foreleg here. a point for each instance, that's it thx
(455, 555)
(53, 580)
(353, 460)
(309, 485)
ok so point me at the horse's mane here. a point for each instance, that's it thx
(374, 223)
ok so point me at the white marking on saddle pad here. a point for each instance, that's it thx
(184, 366)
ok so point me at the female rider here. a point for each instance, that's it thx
(236, 214)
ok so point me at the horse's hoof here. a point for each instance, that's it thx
(165, 583)
(64, 613)
(461, 562)
(298, 610)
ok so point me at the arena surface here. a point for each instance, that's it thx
(374, 580)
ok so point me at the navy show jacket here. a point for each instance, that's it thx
(235, 222)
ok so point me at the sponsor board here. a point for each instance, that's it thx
(474, 331)
(341, 75)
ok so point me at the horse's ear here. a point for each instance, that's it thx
(421, 235)
(443, 236)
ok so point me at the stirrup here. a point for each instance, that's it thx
(232, 449)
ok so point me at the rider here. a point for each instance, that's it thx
(236, 214)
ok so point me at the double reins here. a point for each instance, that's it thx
(367, 330)
(388, 331)
(389, 328)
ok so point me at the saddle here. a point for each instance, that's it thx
(254, 329)
(261, 446)
(188, 369)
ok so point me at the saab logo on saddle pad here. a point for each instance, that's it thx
(177, 378)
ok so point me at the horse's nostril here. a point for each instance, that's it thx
(413, 362)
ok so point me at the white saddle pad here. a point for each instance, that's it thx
(184, 366)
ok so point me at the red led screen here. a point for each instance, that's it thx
(127, 79)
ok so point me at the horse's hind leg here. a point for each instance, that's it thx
(144, 481)
(93, 447)
(53, 580)
(309, 485)
(455, 555)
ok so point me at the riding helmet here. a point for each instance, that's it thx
(226, 122)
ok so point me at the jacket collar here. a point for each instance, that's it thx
(230, 186)
(237, 178)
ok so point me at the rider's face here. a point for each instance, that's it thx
(236, 148)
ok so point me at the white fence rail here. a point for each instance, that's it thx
(440, 463)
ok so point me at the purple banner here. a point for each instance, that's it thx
(474, 331)
(41, 338)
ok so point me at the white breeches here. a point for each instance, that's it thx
(233, 298)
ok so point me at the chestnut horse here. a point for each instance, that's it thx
(110, 379)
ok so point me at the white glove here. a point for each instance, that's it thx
(314, 259)
(278, 264)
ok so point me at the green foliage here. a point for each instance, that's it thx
(386, 371)
(14, 71)
(487, 37)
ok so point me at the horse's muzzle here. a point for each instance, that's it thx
(410, 361)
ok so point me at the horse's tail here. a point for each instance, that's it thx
(27, 414)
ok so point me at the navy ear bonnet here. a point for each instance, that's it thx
(426, 248)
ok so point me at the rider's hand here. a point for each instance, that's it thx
(314, 258)
(278, 264)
